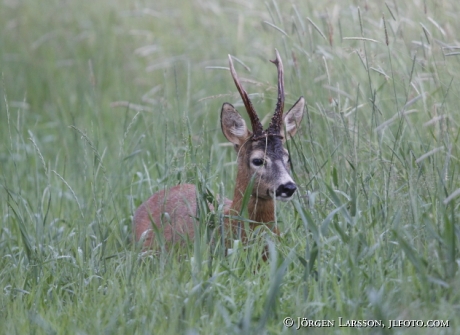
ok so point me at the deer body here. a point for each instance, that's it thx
(261, 156)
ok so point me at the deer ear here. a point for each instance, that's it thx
(233, 125)
(293, 118)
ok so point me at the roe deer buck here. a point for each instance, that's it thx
(260, 155)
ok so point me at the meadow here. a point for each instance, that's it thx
(105, 102)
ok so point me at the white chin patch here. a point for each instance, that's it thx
(283, 197)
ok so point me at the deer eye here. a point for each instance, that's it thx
(257, 161)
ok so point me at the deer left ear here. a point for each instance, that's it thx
(292, 119)
(233, 125)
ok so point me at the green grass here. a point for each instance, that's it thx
(105, 102)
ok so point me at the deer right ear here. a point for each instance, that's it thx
(293, 118)
(233, 125)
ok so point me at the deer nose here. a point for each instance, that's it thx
(286, 190)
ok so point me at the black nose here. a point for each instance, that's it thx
(286, 190)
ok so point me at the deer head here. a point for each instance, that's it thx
(261, 152)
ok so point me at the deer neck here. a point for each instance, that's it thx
(259, 210)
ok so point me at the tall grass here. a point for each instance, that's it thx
(105, 102)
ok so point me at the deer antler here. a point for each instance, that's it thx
(256, 125)
(277, 120)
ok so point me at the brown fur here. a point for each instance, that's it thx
(179, 202)
(172, 212)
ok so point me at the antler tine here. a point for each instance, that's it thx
(277, 120)
(256, 125)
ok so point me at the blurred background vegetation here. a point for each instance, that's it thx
(105, 102)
